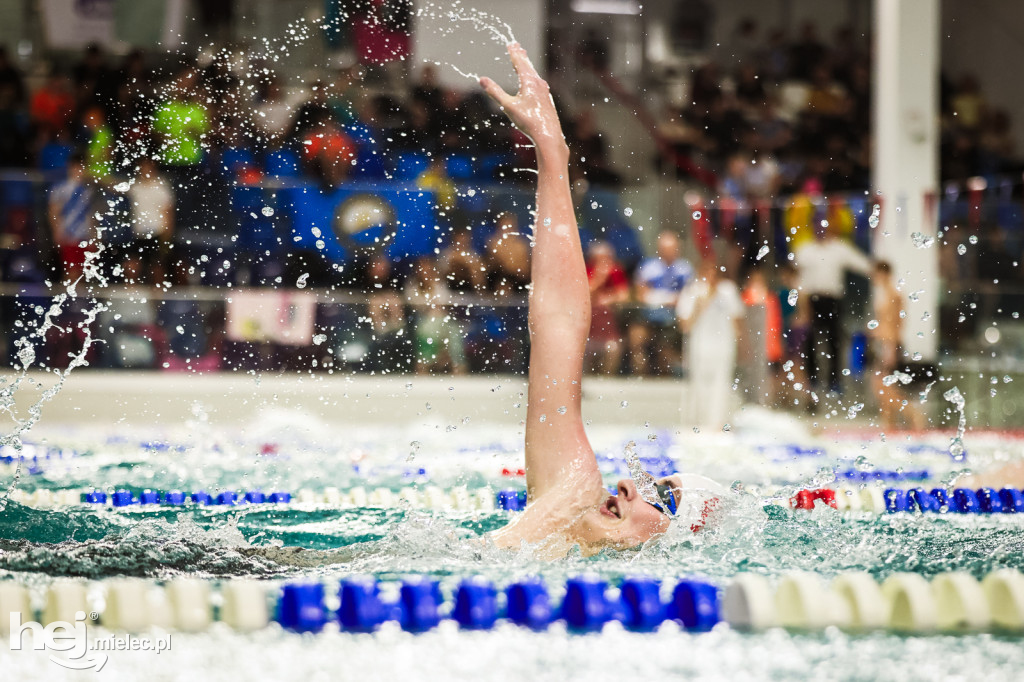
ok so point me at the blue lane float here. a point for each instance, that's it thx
(586, 607)
(1013, 500)
(529, 605)
(989, 501)
(895, 500)
(964, 501)
(476, 604)
(643, 610)
(419, 602)
(695, 605)
(301, 607)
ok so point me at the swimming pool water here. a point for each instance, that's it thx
(282, 451)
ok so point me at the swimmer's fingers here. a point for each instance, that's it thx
(521, 62)
(496, 92)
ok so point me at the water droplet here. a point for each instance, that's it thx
(793, 296)
(696, 215)
(628, 211)
(872, 324)
(726, 427)
(268, 211)
(319, 339)
(922, 241)
(973, 239)
(561, 410)
(301, 281)
(961, 249)
(624, 403)
(122, 187)
(543, 418)
(762, 252)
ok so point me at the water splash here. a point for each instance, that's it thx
(956, 444)
(646, 486)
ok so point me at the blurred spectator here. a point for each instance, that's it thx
(823, 264)
(181, 123)
(996, 144)
(328, 153)
(427, 91)
(765, 316)
(99, 144)
(590, 150)
(710, 311)
(152, 206)
(609, 287)
(53, 106)
(72, 204)
(342, 99)
(462, 266)
(508, 258)
(389, 344)
(381, 30)
(10, 76)
(968, 104)
(885, 353)
(311, 114)
(439, 338)
(435, 179)
(652, 332)
(273, 114)
(92, 78)
(807, 53)
(750, 90)
(16, 127)
(795, 312)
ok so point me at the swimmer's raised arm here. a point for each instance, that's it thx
(557, 449)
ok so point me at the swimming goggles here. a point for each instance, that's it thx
(666, 498)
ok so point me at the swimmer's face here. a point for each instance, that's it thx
(625, 520)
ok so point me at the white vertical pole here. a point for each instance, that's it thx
(905, 158)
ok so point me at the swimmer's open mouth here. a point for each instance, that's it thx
(611, 507)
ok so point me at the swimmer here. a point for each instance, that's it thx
(568, 503)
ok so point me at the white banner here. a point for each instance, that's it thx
(76, 23)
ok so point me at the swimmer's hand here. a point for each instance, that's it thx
(531, 109)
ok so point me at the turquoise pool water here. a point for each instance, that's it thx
(278, 543)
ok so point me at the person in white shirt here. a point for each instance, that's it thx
(709, 311)
(152, 203)
(822, 266)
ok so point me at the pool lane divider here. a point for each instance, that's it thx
(920, 500)
(951, 603)
(869, 498)
(427, 497)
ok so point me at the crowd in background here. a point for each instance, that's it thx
(772, 114)
(762, 118)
